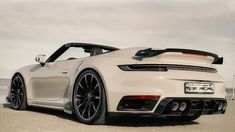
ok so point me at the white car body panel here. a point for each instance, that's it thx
(52, 85)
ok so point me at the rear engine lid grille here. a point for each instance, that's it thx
(165, 67)
(191, 68)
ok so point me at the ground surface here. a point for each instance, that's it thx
(44, 120)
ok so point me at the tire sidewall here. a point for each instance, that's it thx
(23, 104)
(102, 106)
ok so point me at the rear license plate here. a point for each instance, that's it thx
(199, 88)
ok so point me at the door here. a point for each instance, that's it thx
(51, 81)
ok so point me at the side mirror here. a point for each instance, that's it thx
(40, 59)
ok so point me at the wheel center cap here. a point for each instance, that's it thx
(89, 96)
(18, 91)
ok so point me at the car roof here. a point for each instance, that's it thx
(89, 46)
(63, 48)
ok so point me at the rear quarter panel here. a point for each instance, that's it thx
(120, 83)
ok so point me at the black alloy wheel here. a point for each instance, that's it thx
(17, 93)
(89, 99)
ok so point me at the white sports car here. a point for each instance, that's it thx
(96, 82)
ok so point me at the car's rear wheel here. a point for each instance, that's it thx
(18, 93)
(89, 100)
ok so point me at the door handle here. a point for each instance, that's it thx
(64, 72)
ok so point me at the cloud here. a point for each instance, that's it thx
(231, 5)
(28, 28)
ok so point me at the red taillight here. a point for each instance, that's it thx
(142, 97)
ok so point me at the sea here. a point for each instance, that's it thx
(4, 83)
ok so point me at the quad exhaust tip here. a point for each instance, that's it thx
(174, 106)
(178, 106)
(220, 106)
(225, 106)
(182, 106)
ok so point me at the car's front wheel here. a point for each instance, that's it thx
(89, 100)
(18, 93)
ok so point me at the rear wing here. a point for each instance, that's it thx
(146, 53)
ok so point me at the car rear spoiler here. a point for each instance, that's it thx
(146, 53)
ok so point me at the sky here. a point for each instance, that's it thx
(29, 28)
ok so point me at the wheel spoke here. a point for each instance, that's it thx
(89, 110)
(16, 100)
(21, 87)
(93, 106)
(17, 94)
(87, 85)
(82, 88)
(13, 95)
(18, 82)
(91, 82)
(84, 110)
(96, 86)
(13, 91)
(87, 92)
(79, 96)
(97, 97)
(14, 84)
(19, 100)
(81, 104)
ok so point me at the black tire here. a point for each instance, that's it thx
(89, 100)
(18, 98)
(183, 118)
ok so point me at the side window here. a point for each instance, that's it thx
(73, 53)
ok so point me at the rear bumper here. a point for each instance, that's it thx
(202, 106)
(194, 106)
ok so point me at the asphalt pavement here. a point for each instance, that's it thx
(45, 120)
